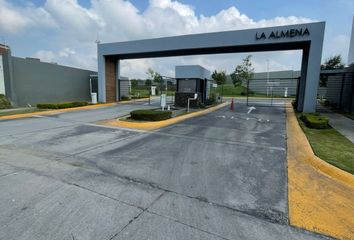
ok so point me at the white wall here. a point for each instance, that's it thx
(2, 78)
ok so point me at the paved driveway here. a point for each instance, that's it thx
(219, 176)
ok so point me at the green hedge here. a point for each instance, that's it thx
(61, 105)
(4, 102)
(315, 120)
(150, 115)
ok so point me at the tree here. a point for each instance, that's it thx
(220, 79)
(334, 62)
(134, 83)
(156, 77)
(243, 72)
(148, 83)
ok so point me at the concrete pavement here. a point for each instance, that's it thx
(219, 176)
(342, 124)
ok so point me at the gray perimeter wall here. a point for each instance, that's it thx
(37, 82)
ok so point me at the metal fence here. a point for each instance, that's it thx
(340, 89)
(271, 91)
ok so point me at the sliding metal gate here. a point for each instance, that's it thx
(271, 91)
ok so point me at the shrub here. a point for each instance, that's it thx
(326, 103)
(61, 105)
(315, 120)
(294, 103)
(212, 99)
(201, 105)
(124, 98)
(150, 115)
(4, 102)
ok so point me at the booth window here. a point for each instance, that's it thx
(187, 85)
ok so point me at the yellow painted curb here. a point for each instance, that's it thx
(321, 196)
(49, 112)
(149, 126)
(317, 162)
(133, 100)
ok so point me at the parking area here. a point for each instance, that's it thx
(219, 176)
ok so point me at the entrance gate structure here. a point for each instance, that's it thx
(306, 37)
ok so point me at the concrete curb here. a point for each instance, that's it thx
(49, 112)
(317, 162)
(133, 101)
(149, 126)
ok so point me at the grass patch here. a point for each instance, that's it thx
(150, 115)
(61, 105)
(330, 146)
(4, 102)
(229, 90)
(20, 111)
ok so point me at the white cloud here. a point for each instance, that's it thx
(66, 52)
(74, 29)
(45, 56)
(14, 19)
(11, 20)
(337, 45)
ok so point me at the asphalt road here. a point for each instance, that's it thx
(218, 176)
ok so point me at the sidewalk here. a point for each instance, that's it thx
(15, 109)
(341, 123)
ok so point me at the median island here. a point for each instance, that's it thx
(152, 119)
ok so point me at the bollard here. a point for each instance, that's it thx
(232, 108)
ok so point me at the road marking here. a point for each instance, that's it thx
(250, 109)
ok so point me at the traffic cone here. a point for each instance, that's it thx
(232, 108)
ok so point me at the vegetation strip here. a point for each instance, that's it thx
(331, 146)
(320, 195)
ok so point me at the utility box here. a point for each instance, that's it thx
(191, 79)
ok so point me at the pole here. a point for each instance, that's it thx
(267, 77)
(248, 85)
(222, 92)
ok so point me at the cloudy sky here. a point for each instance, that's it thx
(65, 31)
